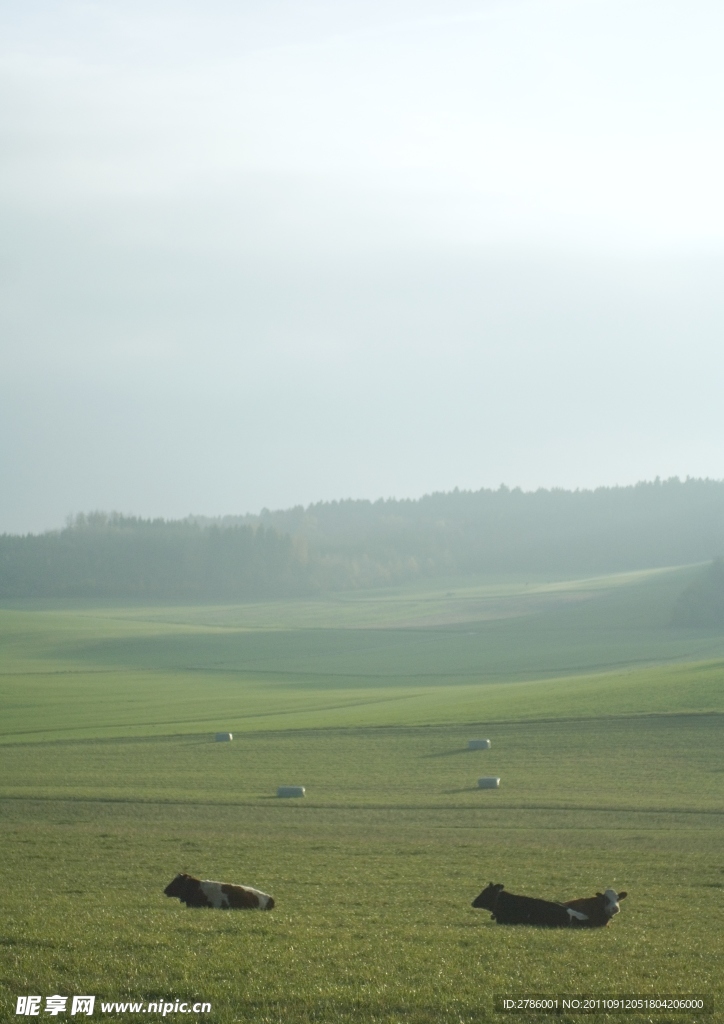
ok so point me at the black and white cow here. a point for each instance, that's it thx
(197, 893)
(599, 909)
(507, 908)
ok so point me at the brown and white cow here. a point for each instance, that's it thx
(598, 909)
(223, 896)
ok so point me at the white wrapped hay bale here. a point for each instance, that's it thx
(489, 782)
(224, 737)
(478, 744)
(290, 791)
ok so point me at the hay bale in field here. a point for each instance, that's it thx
(489, 782)
(290, 791)
(223, 737)
(478, 744)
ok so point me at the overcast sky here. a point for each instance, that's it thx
(266, 252)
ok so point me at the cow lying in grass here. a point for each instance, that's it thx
(221, 895)
(507, 908)
(599, 909)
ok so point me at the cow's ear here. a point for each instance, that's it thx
(622, 895)
(499, 887)
(599, 894)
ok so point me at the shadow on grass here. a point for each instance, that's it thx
(28, 943)
(448, 753)
(465, 789)
(282, 799)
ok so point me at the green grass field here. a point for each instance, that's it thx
(606, 730)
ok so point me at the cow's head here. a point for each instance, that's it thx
(488, 898)
(179, 886)
(611, 900)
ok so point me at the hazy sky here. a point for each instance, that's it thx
(266, 252)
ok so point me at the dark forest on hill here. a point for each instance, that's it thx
(356, 544)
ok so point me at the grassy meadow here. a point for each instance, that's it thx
(606, 730)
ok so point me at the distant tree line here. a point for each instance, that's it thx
(110, 556)
(361, 544)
